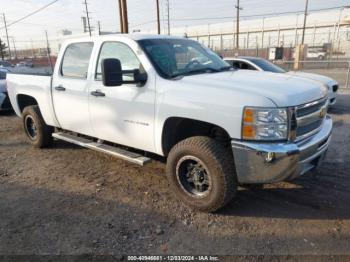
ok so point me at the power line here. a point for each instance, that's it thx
(30, 14)
(232, 17)
(245, 16)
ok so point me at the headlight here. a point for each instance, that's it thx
(265, 123)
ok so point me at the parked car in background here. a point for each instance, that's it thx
(6, 66)
(4, 99)
(260, 64)
(128, 95)
(321, 55)
(25, 64)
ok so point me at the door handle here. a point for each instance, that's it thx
(98, 93)
(60, 88)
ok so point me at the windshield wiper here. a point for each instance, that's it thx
(224, 68)
(197, 71)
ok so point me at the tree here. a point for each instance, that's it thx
(3, 48)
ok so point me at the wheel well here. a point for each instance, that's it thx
(177, 129)
(25, 100)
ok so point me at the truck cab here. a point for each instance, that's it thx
(216, 127)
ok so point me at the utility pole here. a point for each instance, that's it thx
(237, 24)
(305, 16)
(123, 13)
(14, 46)
(87, 16)
(121, 17)
(7, 35)
(83, 19)
(263, 32)
(32, 46)
(158, 18)
(99, 27)
(48, 51)
(1, 51)
(168, 10)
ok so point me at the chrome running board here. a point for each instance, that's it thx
(110, 150)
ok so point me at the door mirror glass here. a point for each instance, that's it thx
(112, 74)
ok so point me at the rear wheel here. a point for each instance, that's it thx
(201, 172)
(38, 133)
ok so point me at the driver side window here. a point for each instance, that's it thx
(127, 57)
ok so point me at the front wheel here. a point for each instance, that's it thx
(201, 172)
(38, 133)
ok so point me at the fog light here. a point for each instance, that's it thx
(270, 157)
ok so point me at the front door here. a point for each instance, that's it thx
(70, 89)
(122, 114)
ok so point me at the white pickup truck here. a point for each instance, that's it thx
(134, 96)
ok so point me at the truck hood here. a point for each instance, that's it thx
(323, 79)
(283, 89)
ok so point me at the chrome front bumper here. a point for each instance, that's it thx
(272, 162)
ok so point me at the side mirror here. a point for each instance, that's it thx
(112, 74)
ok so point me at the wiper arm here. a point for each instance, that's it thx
(225, 68)
(201, 70)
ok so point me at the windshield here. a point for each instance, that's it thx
(180, 57)
(267, 66)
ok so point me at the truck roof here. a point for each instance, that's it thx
(135, 37)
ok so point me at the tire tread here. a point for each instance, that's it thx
(45, 138)
(223, 161)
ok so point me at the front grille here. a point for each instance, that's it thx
(335, 88)
(309, 118)
(310, 108)
(308, 128)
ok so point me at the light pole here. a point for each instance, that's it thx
(237, 23)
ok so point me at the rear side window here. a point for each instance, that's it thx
(76, 60)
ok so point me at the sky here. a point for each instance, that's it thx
(66, 14)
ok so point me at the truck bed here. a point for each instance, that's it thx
(38, 87)
(43, 71)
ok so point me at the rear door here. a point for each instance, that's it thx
(70, 88)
